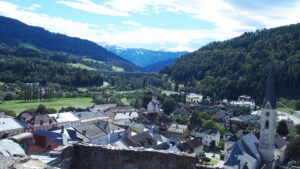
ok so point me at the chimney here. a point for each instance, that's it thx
(84, 132)
(62, 129)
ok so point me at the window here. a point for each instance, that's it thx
(267, 114)
(267, 124)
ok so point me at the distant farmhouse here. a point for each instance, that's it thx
(244, 101)
(154, 106)
(194, 98)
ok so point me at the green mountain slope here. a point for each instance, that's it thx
(239, 66)
(14, 33)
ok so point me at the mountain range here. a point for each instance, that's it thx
(145, 57)
(16, 33)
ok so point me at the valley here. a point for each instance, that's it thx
(215, 97)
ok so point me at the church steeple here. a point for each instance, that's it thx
(270, 99)
(268, 124)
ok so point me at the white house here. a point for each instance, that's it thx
(126, 116)
(114, 132)
(10, 127)
(153, 106)
(244, 101)
(195, 98)
(66, 119)
(207, 134)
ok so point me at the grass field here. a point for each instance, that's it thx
(78, 65)
(19, 106)
(118, 69)
(125, 101)
(2, 83)
(92, 60)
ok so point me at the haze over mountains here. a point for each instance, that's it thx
(145, 57)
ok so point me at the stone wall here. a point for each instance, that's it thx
(104, 157)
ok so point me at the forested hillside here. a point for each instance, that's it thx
(156, 67)
(35, 70)
(14, 33)
(239, 65)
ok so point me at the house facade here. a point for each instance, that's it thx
(153, 106)
(66, 119)
(177, 131)
(208, 135)
(32, 122)
(10, 127)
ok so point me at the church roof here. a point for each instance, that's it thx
(247, 146)
(270, 92)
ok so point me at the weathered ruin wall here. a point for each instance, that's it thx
(96, 157)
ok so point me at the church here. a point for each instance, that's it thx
(250, 152)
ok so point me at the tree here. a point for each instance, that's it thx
(282, 128)
(233, 128)
(209, 123)
(8, 112)
(293, 149)
(297, 127)
(195, 120)
(99, 99)
(138, 103)
(41, 109)
(204, 115)
(169, 105)
(297, 105)
(9, 96)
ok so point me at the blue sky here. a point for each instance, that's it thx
(154, 24)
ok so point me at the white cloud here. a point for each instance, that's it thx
(131, 23)
(33, 7)
(225, 15)
(228, 18)
(179, 38)
(54, 24)
(89, 6)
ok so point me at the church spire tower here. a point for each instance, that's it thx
(268, 123)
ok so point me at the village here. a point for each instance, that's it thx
(233, 126)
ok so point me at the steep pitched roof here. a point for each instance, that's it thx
(270, 92)
(140, 140)
(9, 124)
(247, 146)
(189, 145)
(107, 126)
(279, 142)
(91, 131)
(206, 130)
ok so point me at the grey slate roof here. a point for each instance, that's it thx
(206, 130)
(140, 140)
(88, 115)
(279, 142)
(107, 126)
(92, 130)
(247, 145)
